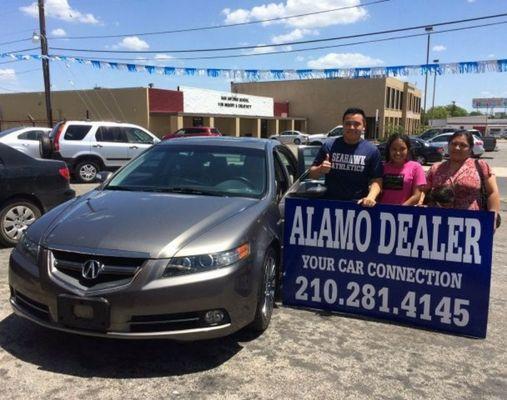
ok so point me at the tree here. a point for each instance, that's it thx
(475, 113)
(439, 112)
(455, 111)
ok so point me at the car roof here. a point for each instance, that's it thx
(228, 141)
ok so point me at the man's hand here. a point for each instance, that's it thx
(325, 167)
(367, 202)
(316, 171)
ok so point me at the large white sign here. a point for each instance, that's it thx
(202, 101)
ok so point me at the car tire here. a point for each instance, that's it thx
(421, 160)
(15, 217)
(266, 293)
(297, 141)
(45, 146)
(86, 171)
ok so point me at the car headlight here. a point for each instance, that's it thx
(28, 248)
(205, 262)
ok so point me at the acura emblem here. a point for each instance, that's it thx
(91, 269)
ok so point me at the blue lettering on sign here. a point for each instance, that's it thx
(426, 267)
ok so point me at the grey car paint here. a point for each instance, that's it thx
(155, 227)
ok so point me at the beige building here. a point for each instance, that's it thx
(396, 105)
(159, 110)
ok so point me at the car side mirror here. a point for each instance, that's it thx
(312, 189)
(103, 176)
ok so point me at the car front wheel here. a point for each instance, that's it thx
(297, 141)
(15, 217)
(86, 171)
(266, 295)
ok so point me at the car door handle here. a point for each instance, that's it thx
(133, 147)
(97, 145)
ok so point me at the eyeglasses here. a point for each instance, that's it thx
(459, 145)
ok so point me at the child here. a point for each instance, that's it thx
(402, 179)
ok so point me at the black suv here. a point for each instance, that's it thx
(30, 187)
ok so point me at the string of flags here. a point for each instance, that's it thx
(464, 67)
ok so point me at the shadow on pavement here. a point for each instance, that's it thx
(99, 357)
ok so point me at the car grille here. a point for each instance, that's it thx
(114, 271)
(171, 322)
(32, 307)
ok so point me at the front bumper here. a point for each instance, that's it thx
(145, 308)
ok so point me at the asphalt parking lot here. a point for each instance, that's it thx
(303, 354)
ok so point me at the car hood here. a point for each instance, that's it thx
(143, 224)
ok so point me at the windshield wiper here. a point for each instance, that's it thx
(125, 188)
(188, 190)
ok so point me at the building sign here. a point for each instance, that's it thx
(425, 267)
(495, 102)
(202, 101)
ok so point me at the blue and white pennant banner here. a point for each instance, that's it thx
(465, 67)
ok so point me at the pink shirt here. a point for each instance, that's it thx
(399, 182)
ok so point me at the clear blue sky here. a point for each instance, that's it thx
(66, 18)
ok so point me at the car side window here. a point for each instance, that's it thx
(135, 135)
(30, 135)
(281, 176)
(114, 134)
(77, 132)
(288, 164)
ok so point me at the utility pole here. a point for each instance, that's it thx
(428, 30)
(45, 62)
(434, 85)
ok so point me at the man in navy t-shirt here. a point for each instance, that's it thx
(352, 166)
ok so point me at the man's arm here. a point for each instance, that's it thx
(371, 199)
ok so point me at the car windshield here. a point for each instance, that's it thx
(7, 131)
(200, 170)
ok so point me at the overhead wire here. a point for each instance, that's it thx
(295, 50)
(387, 31)
(201, 28)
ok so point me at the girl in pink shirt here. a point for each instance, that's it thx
(403, 178)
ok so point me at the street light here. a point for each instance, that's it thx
(428, 29)
(434, 84)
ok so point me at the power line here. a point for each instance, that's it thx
(202, 28)
(294, 50)
(286, 43)
(15, 41)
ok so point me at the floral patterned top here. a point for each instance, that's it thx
(465, 181)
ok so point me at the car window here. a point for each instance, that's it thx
(193, 131)
(135, 135)
(287, 163)
(281, 177)
(201, 170)
(215, 130)
(31, 135)
(76, 132)
(336, 132)
(115, 134)
(440, 138)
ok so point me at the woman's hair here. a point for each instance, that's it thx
(467, 134)
(394, 137)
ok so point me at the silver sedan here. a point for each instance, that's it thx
(291, 137)
(184, 242)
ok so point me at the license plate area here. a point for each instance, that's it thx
(92, 314)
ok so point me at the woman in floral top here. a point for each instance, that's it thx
(460, 173)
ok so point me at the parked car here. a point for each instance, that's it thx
(90, 146)
(183, 242)
(291, 137)
(489, 141)
(29, 188)
(24, 139)
(429, 133)
(422, 151)
(194, 131)
(442, 141)
(319, 138)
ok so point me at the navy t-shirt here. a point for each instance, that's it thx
(352, 168)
